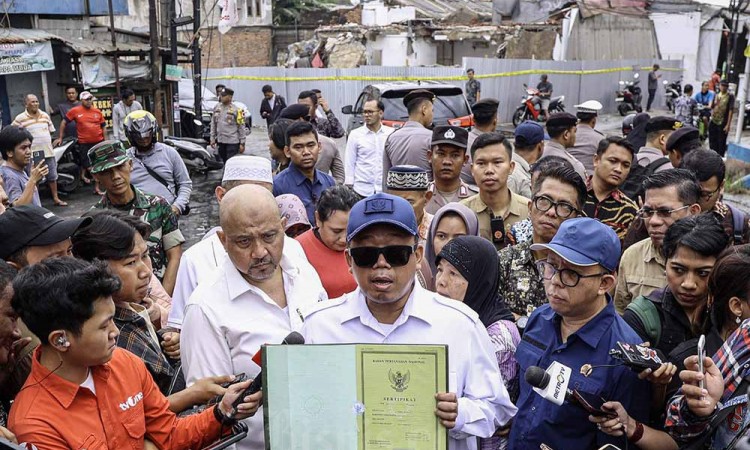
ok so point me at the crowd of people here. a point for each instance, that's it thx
(550, 249)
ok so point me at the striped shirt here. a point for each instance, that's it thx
(41, 128)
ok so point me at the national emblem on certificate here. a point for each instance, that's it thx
(345, 397)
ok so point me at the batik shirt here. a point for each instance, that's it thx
(520, 283)
(155, 211)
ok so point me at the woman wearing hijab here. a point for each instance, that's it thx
(467, 269)
(449, 222)
(292, 209)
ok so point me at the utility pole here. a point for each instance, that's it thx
(176, 125)
(197, 77)
(114, 45)
(153, 29)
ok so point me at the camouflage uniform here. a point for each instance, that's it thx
(156, 211)
(520, 283)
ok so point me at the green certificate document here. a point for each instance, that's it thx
(345, 397)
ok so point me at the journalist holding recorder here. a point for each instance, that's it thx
(576, 330)
(84, 391)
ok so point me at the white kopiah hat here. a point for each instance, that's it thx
(589, 106)
(247, 168)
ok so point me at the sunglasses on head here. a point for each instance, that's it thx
(395, 255)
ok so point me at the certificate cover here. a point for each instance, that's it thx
(346, 397)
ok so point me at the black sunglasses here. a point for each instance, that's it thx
(395, 255)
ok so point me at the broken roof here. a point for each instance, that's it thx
(440, 9)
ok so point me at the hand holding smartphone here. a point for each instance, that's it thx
(701, 357)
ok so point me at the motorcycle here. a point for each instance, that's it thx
(194, 154)
(628, 97)
(68, 170)
(672, 91)
(531, 107)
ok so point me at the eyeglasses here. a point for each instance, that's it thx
(562, 209)
(395, 255)
(663, 213)
(568, 277)
(706, 195)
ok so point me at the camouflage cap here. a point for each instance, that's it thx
(106, 155)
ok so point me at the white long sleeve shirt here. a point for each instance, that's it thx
(199, 262)
(364, 159)
(227, 320)
(428, 318)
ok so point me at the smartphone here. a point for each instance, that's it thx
(701, 356)
(36, 157)
(637, 357)
(591, 403)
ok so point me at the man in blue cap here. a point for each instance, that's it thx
(577, 329)
(390, 307)
(528, 148)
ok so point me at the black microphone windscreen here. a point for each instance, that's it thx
(537, 377)
(294, 338)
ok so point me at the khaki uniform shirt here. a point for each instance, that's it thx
(228, 124)
(519, 180)
(647, 155)
(407, 145)
(518, 210)
(641, 272)
(587, 141)
(553, 148)
(329, 159)
(440, 199)
(466, 175)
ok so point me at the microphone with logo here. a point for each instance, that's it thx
(294, 338)
(552, 385)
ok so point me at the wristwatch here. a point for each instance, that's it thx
(222, 418)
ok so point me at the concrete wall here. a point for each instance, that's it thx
(393, 50)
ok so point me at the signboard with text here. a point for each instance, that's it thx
(26, 57)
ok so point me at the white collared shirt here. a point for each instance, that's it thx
(428, 318)
(364, 159)
(200, 261)
(227, 320)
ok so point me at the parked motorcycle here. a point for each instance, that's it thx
(198, 159)
(68, 171)
(628, 97)
(672, 91)
(531, 107)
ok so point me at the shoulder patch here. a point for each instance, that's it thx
(458, 306)
(310, 309)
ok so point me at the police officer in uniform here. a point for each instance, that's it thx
(561, 128)
(447, 156)
(658, 131)
(409, 144)
(587, 138)
(228, 126)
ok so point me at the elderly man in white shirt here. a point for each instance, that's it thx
(364, 151)
(199, 261)
(389, 306)
(255, 297)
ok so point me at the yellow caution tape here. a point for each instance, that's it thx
(434, 78)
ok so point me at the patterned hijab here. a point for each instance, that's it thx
(477, 261)
(292, 209)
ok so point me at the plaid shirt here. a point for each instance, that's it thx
(155, 211)
(135, 338)
(733, 361)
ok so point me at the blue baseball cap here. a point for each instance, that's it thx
(585, 242)
(529, 133)
(381, 208)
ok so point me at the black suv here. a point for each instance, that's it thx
(450, 106)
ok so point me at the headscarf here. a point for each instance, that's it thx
(476, 259)
(292, 209)
(470, 220)
(637, 135)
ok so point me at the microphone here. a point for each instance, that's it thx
(556, 392)
(294, 338)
